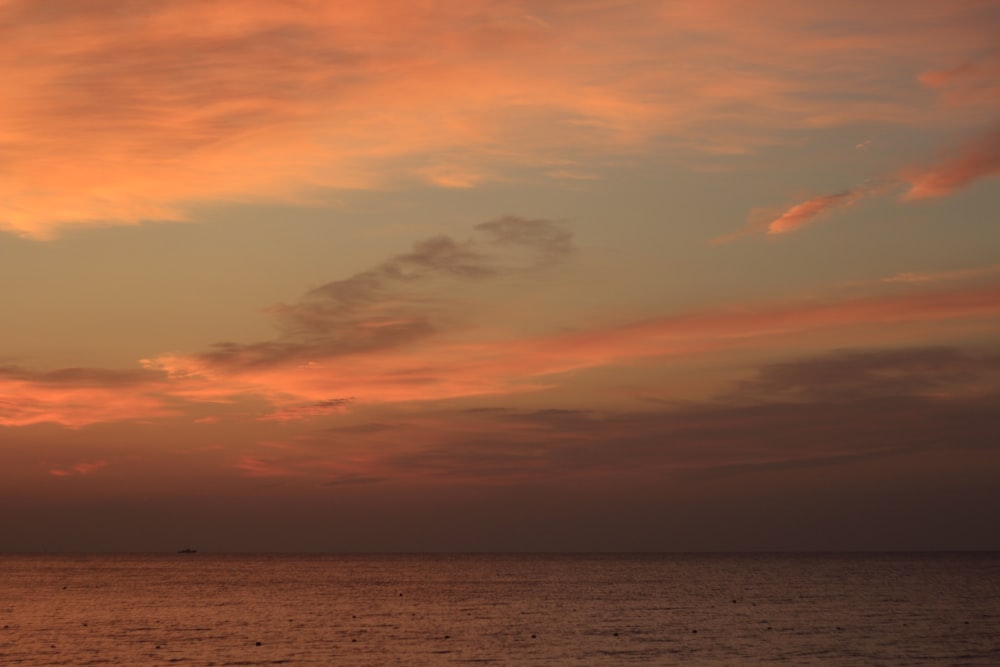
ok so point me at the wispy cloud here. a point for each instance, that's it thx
(973, 82)
(975, 161)
(440, 368)
(131, 115)
(800, 215)
(307, 460)
(395, 302)
(387, 335)
(76, 397)
(254, 467)
(865, 375)
(83, 468)
(315, 409)
(796, 216)
(910, 277)
(970, 84)
(371, 320)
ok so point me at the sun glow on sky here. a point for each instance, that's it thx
(499, 275)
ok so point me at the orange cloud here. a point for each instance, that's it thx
(388, 335)
(801, 214)
(132, 115)
(748, 326)
(438, 368)
(78, 397)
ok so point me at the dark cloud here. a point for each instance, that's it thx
(394, 303)
(833, 410)
(542, 235)
(438, 256)
(370, 427)
(547, 414)
(557, 414)
(352, 480)
(483, 256)
(714, 439)
(861, 375)
(485, 459)
(330, 336)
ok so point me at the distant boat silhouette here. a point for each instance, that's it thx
(187, 551)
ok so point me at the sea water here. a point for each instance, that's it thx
(751, 609)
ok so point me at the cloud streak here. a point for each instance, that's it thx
(796, 216)
(975, 82)
(84, 469)
(388, 335)
(800, 215)
(911, 277)
(975, 161)
(317, 409)
(867, 375)
(441, 369)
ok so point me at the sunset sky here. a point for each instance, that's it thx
(367, 275)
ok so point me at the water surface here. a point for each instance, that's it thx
(204, 609)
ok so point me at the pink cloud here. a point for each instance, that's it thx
(802, 214)
(764, 325)
(974, 161)
(941, 78)
(977, 160)
(971, 83)
(797, 216)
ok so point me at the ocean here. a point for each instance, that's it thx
(501, 609)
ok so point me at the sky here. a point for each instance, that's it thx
(503, 275)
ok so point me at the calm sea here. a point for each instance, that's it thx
(202, 609)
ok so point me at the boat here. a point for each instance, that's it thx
(187, 551)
